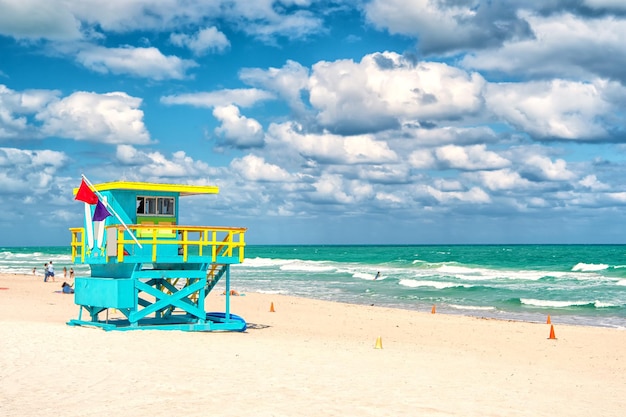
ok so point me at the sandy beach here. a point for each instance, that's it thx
(308, 358)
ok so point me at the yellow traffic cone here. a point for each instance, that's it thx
(379, 343)
(272, 308)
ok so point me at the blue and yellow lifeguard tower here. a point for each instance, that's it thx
(145, 265)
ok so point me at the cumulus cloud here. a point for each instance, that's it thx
(457, 135)
(265, 21)
(384, 90)
(288, 82)
(38, 19)
(242, 97)
(43, 19)
(475, 195)
(565, 45)
(334, 189)
(237, 130)
(255, 168)
(138, 62)
(154, 166)
(205, 41)
(465, 158)
(503, 180)
(556, 109)
(447, 26)
(542, 168)
(24, 172)
(16, 107)
(591, 182)
(108, 118)
(422, 159)
(474, 157)
(330, 148)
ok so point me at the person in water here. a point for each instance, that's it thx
(377, 275)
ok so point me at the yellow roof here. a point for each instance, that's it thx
(150, 186)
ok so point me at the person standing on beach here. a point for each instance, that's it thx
(45, 272)
(34, 270)
(64, 272)
(71, 273)
(51, 271)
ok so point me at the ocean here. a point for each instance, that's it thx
(574, 284)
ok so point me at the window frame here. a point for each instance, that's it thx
(158, 202)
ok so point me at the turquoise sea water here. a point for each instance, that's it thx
(574, 284)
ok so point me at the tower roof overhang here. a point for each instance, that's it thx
(182, 189)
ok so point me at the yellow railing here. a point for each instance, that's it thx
(220, 241)
(78, 243)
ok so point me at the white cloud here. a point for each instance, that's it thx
(475, 195)
(54, 20)
(38, 19)
(237, 130)
(418, 17)
(422, 159)
(254, 168)
(139, 62)
(389, 198)
(474, 157)
(543, 168)
(564, 45)
(242, 97)
(444, 26)
(443, 184)
(449, 135)
(386, 89)
(333, 189)
(267, 19)
(330, 148)
(205, 41)
(26, 172)
(154, 166)
(591, 182)
(380, 174)
(108, 118)
(503, 180)
(16, 106)
(288, 82)
(552, 109)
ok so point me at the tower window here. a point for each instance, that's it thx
(156, 206)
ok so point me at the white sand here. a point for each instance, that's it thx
(308, 358)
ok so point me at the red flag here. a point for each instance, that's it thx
(86, 194)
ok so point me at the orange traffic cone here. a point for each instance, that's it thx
(552, 336)
(379, 343)
(433, 310)
(548, 321)
(272, 308)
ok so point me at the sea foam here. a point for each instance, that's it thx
(583, 267)
(435, 284)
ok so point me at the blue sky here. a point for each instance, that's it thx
(373, 122)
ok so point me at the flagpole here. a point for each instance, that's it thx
(110, 208)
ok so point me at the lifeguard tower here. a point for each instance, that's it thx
(146, 266)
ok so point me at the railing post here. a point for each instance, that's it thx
(120, 245)
(154, 244)
(213, 246)
(185, 246)
(241, 247)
